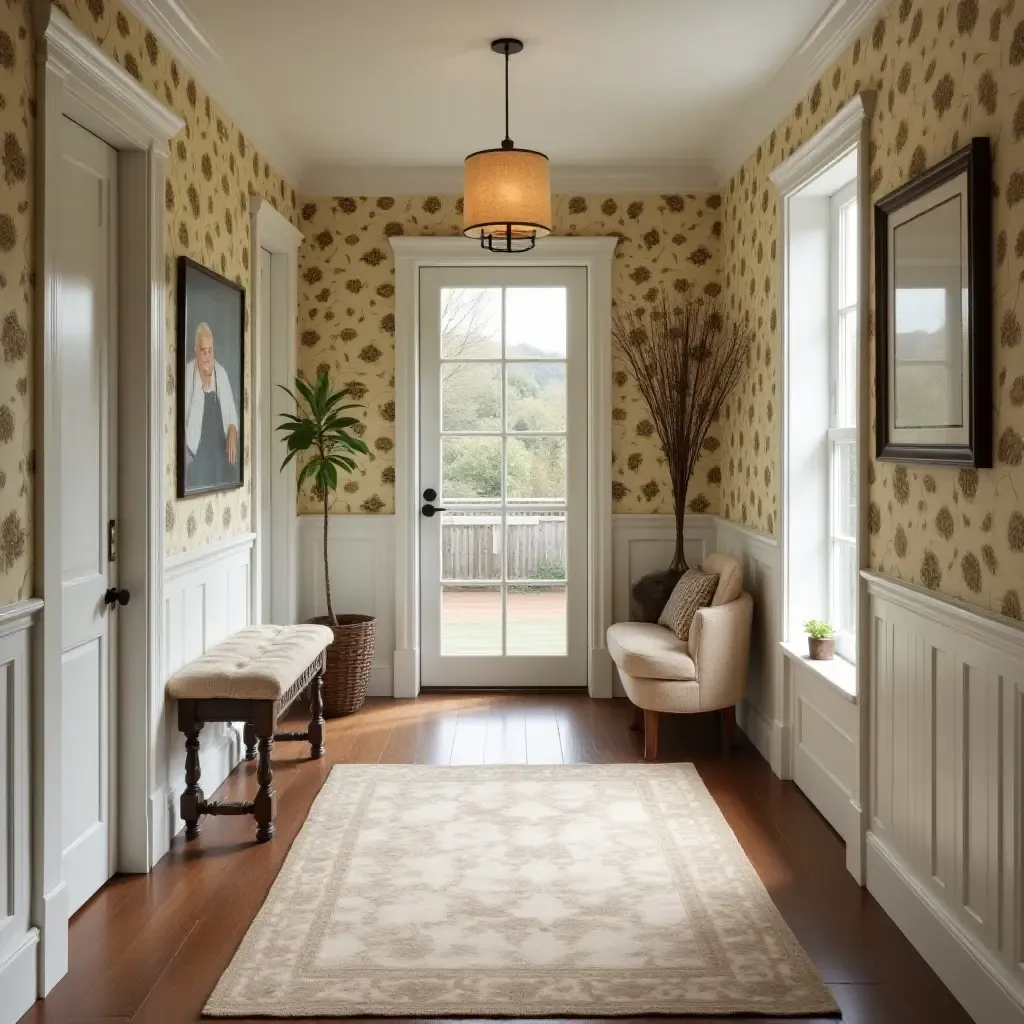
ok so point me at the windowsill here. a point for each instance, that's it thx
(839, 673)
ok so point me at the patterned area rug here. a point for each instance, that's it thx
(573, 890)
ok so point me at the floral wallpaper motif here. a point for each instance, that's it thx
(17, 457)
(211, 173)
(943, 72)
(347, 319)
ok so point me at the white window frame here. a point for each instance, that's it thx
(846, 640)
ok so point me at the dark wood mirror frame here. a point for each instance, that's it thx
(976, 160)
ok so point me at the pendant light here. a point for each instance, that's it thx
(507, 193)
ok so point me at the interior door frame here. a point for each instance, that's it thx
(594, 253)
(75, 79)
(272, 231)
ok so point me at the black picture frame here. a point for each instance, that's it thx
(974, 449)
(208, 300)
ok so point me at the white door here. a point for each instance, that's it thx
(269, 467)
(86, 335)
(503, 453)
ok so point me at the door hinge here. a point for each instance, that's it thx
(112, 541)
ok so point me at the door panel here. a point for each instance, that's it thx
(503, 442)
(86, 331)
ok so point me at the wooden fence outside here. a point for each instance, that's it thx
(471, 550)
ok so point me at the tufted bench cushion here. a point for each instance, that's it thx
(257, 663)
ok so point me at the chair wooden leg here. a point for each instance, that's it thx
(638, 719)
(316, 718)
(729, 727)
(651, 722)
(249, 735)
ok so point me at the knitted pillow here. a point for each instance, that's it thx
(694, 590)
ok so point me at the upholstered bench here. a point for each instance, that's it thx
(251, 677)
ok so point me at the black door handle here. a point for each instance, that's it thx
(428, 510)
(114, 596)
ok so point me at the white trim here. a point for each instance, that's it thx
(272, 231)
(185, 562)
(656, 177)
(596, 254)
(75, 78)
(837, 673)
(847, 132)
(19, 616)
(18, 978)
(975, 978)
(178, 29)
(836, 30)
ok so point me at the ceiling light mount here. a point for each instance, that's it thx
(507, 193)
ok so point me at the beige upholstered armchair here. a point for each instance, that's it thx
(707, 672)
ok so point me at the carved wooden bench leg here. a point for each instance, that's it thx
(264, 807)
(316, 717)
(192, 799)
(249, 734)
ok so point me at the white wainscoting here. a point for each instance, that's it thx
(945, 850)
(207, 596)
(762, 716)
(19, 940)
(361, 553)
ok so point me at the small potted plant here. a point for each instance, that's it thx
(320, 427)
(821, 640)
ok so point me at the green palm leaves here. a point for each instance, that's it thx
(322, 430)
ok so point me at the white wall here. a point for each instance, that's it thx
(18, 939)
(945, 849)
(207, 596)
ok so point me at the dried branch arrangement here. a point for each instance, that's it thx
(686, 361)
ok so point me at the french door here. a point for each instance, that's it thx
(503, 476)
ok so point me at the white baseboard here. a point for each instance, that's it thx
(757, 728)
(53, 953)
(978, 982)
(382, 682)
(18, 984)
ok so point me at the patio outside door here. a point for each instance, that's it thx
(503, 477)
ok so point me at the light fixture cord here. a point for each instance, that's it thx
(506, 142)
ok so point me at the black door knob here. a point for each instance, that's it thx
(428, 510)
(114, 596)
(429, 494)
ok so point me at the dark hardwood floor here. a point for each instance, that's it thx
(150, 948)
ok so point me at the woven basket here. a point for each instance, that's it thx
(347, 673)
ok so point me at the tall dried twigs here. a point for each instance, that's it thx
(686, 360)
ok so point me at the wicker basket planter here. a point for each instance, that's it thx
(348, 663)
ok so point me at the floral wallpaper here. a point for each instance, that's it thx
(943, 72)
(347, 319)
(211, 173)
(17, 458)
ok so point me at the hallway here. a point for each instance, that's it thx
(150, 948)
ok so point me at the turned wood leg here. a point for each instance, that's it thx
(651, 722)
(316, 717)
(729, 727)
(265, 805)
(249, 734)
(193, 795)
(638, 719)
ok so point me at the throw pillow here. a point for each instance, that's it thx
(694, 590)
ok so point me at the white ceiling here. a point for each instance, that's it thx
(614, 91)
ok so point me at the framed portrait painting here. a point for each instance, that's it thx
(211, 379)
(933, 300)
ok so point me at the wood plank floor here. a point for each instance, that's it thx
(150, 948)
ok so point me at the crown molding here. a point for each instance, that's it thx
(369, 180)
(834, 32)
(178, 29)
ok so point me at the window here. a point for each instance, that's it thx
(842, 428)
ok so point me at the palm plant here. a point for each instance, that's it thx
(323, 430)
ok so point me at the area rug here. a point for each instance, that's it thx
(569, 890)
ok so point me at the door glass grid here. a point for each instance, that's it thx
(503, 471)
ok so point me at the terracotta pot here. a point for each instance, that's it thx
(823, 649)
(651, 593)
